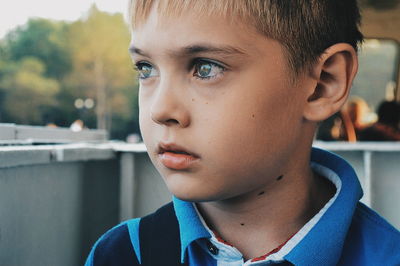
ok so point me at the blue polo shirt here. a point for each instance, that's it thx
(343, 232)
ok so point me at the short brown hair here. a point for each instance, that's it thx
(306, 28)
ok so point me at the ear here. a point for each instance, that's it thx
(334, 73)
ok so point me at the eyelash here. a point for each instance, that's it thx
(139, 66)
(193, 66)
(196, 63)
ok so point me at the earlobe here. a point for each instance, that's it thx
(334, 73)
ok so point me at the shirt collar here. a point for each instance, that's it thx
(329, 232)
(190, 225)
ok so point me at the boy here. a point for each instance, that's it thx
(231, 93)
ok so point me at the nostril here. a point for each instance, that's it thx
(172, 121)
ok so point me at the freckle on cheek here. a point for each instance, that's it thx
(253, 116)
(192, 99)
(242, 224)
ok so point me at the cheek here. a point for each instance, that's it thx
(257, 115)
(245, 130)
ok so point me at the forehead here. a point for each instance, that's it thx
(193, 32)
(179, 25)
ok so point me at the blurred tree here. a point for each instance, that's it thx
(45, 40)
(25, 91)
(46, 65)
(102, 66)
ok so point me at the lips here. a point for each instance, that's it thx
(176, 157)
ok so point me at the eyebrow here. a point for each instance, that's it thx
(134, 50)
(195, 49)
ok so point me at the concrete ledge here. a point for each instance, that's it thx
(13, 156)
(7, 131)
(128, 147)
(382, 146)
(11, 134)
(332, 146)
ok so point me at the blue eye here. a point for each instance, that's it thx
(204, 69)
(146, 70)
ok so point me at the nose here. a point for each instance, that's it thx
(168, 107)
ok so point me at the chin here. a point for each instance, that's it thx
(189, 187)
(193, 195)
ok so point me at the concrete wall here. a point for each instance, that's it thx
(52, 212)
(142, 188)
(56, 200)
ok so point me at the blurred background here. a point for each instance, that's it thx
(71, 162)
(67, 61)
(66, 65)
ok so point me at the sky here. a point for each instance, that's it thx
(17, 12)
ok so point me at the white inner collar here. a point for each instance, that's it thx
(228, 255)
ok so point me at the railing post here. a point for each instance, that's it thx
(368, 199)
(127, 186)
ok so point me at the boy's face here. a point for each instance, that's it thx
(221, 92)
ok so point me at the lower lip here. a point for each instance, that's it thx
(177, 161)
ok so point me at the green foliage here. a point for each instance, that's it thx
(26, 91)
(45, 40)
(102, 66)
(46, 65)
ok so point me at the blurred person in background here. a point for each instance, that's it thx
(353, 119)
(387, 128)
(77, 125)
(346, 124)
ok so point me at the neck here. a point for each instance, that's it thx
(266, 218)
